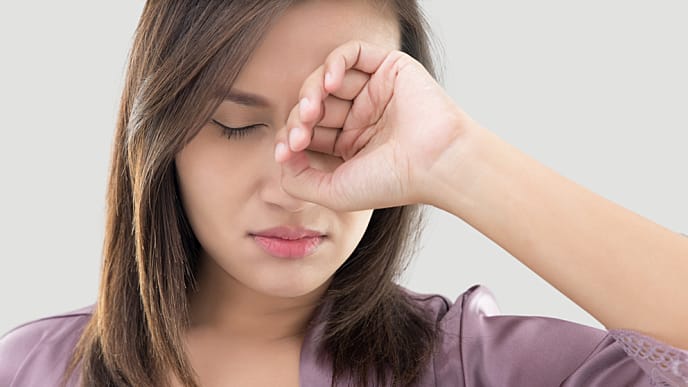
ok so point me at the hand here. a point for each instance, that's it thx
(396, 124)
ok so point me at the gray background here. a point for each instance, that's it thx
(595, 90)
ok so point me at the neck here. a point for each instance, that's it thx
(226, 307)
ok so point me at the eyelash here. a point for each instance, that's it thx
(236, 132)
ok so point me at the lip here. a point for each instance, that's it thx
(288, 248)
(288, 232)
(288, 241)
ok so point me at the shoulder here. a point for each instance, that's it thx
(47, 328)
(477, 342)
(475, 312)
(477, 300)
(39, 349)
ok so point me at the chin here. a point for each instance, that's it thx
(290, 287)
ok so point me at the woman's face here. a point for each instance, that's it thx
(231, 188)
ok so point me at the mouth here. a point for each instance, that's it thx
(289, 233)
(290, 248)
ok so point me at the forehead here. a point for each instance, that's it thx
(302, 37)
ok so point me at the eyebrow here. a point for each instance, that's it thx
(246, 99)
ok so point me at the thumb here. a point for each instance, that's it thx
(300, 180)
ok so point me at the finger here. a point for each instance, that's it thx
(335, 112)
(311, 96)
(313, 110)
(354, 54)
(301, 180)
(372, 100)
(324, 140)
(295, 137)
(330, 187)
(300, 135)
(350, 142)
(282, 151)
(353, 83)
(313, 92)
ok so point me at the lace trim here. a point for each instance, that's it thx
(668, 365)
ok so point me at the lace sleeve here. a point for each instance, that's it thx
(666, 365)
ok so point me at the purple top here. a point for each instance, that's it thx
(478, 347)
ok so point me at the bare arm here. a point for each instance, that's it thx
(627, 271)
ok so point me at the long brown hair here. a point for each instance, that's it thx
(184, 54)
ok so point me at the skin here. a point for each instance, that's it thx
(405, 141)
(252, 308)
(402, 140)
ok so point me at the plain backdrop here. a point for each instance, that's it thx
(595, 90)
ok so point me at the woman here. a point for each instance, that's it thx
(264, 196)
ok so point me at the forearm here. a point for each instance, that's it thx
(625, 270)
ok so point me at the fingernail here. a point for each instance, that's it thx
(280, 151)
(294, 136)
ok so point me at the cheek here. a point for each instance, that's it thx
(354, 225)
(214, 183)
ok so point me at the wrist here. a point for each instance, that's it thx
(455, 181)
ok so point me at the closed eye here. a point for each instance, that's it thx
(230, 132)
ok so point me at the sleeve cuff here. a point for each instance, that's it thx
(666, 365)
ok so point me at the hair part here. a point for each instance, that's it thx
(184, 54)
